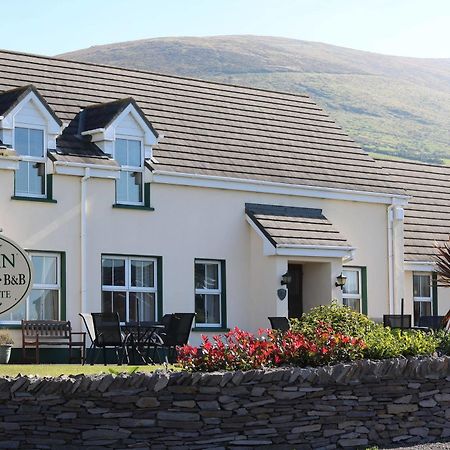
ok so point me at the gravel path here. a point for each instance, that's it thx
(436, 445)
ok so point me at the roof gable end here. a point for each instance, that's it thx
(12, 100)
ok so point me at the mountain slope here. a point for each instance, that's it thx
(393, 105)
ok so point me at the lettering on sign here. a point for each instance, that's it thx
(15, 274)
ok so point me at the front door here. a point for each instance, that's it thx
(295, 291)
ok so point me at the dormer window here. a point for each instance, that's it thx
(129, 187)
(30, 179)
(121, 129)
(29, 127)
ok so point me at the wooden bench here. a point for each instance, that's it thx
(36, 333)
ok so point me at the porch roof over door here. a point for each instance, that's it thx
(295, 231)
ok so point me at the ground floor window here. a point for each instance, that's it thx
(129, 287)
(422, 295)
(352, 292)
(209, 293)
(44, 301)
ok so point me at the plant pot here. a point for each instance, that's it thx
(5, 353)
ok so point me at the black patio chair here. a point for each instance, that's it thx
(397, 321)
(176, 333)
(89, 325)
(109, 335)
(431, 322)
(279, 323)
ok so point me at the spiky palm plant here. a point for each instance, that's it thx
(442, 259)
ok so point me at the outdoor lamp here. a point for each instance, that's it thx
(285, 279)
(340, 281)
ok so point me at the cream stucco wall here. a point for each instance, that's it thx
(443, 299)
(189, 223)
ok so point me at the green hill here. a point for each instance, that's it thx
(394, 105)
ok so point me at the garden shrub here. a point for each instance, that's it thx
(241, 350)
(341, 318)
(443, 338)
(386, 343)
(326, 335)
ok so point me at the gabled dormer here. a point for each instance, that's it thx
(29, 127)
(120, 129)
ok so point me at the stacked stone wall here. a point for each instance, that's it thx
(356, 405)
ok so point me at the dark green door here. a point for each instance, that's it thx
(295, 291)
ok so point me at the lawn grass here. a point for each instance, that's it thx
(54, 370)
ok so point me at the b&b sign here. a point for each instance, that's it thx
(15, 274)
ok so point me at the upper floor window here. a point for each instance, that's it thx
(129, 187)
(30, 179)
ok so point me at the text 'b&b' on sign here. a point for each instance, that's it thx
(15, 274)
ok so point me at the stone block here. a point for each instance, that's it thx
(419, 431)
(353, 443)
(401, 409)
(178, 416)
(307, 428)
(428, 403)
(147, 402)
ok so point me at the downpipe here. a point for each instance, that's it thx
(83, 248)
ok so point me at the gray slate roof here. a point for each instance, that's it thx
(211, 128)
(283, 225)
(427, 215)
(101, 115)
(10, 98)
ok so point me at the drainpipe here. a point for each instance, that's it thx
(83, 242)
(391, 275)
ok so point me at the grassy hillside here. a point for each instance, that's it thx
(393, 105)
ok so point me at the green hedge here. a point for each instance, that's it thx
(381, 342)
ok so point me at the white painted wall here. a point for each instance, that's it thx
(191, 223)
(443, 296)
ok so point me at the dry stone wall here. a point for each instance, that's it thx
(392, 402)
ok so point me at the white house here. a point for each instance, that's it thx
(145, 194)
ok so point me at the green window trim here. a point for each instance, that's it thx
(223, 298)
(364, 307)
(363, 280)
(62, 289)
(159, 287)
(159, 277)
(145, 207)
(211, 329)
(434, 286)
(48, 199)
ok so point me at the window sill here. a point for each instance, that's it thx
(10, 326)
(211, 329)
(33, 199)
(138, 207)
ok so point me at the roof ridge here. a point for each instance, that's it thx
(217, 83)
(412, 162)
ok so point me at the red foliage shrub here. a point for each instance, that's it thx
(241, 350)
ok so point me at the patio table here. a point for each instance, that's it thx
(141, 334)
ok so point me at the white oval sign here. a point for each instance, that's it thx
(15, 274)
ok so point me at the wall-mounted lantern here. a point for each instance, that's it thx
(340, 281)
(286, 279)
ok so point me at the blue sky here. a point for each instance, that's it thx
(400, 27)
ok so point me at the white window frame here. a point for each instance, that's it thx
(218, 291)
(423, 299)
(33, 159)
(138, 169)
(48, 287)
(354, 296)
(128, 288)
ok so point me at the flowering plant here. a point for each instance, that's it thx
(241, 350)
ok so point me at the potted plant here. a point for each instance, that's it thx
(6, 342)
